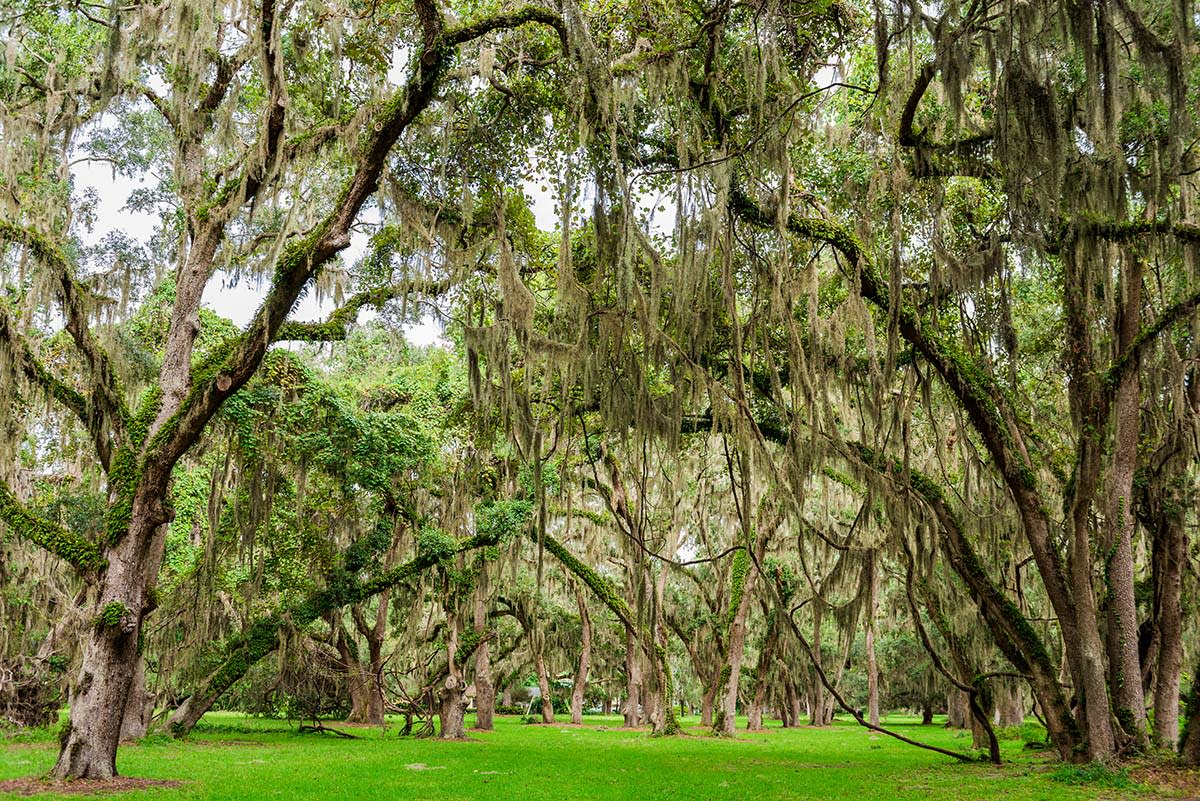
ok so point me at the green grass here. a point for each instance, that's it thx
(234, 757)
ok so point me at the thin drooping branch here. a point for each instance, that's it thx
(971, 690)
(837, 696)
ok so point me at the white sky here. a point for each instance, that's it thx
(239, 301)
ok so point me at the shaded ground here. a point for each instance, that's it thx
(232, 758)
(47, 787)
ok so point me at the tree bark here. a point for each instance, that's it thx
(110, 646)
(453, 710)
(585, 658)
(707, 700)
(139, 708)
(485, 689)
(633, 682)
(1129, 702)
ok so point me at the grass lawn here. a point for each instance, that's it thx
(234, 757)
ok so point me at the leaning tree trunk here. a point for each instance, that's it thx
(585, 658)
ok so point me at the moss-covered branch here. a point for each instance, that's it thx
(337, 325)
(1012, 631)
(28, 364)
(84, 555)
(469, 31)
(611, 598)
(1129, 358)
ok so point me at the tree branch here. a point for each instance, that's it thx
(82, 554)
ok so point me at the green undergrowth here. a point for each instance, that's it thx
(231, 756)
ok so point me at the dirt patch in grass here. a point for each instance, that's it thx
(119, 784)
(1179, 782)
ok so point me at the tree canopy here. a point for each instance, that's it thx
(796, 357)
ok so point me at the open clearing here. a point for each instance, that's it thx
(235, 757)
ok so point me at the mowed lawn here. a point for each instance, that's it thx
(234, 757)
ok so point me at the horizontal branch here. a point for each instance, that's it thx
(513, 19)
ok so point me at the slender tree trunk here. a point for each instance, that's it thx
(740, 600)
(543, 680)
(926, 712)
(1126, 681)
(633, 681)
(816, 689)
(795, 704)
(1189, 746)
(872, 663)
(765, 657)
(485, 690)
(585, 658)
(1172, 542)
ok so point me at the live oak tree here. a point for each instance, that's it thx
(276, 147)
